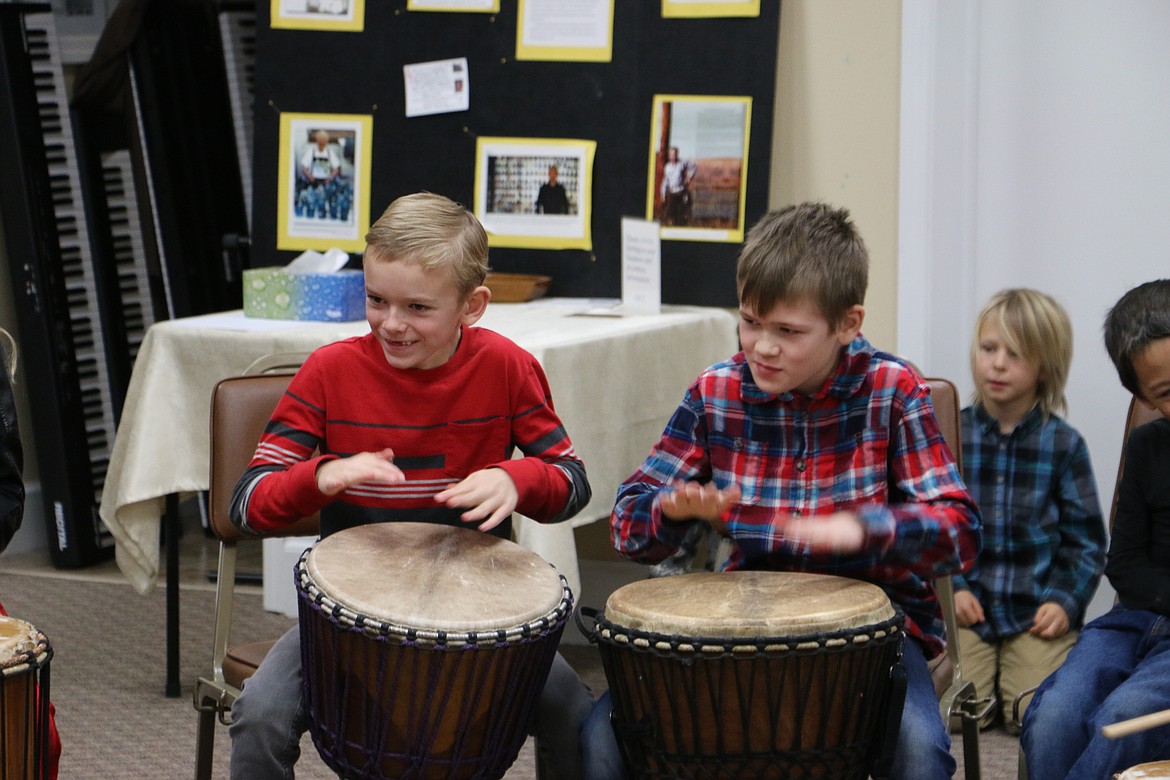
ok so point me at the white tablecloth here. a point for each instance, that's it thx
(615, 381)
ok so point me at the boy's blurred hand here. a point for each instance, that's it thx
(840, 532)
(695, 501)
(489, 493)
(334, 476)
(1051, 621)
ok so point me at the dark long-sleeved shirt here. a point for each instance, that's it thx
(11, 464)
(1138, 565)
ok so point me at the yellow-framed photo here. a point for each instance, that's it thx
(697, 179)
(535, 192)
(324, 181)
(344, 15)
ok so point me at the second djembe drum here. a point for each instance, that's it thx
(24, 701)
(425, 648)
(1157, 770)
(751, 674)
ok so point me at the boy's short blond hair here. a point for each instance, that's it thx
(1139, 318)
(809, 251)
(1037, 328)
(434, 232)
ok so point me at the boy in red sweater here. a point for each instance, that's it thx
(415, 421)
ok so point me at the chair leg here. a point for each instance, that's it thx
(542, 765)
(204, 741)
(971, 768)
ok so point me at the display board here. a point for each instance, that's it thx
(596, 118)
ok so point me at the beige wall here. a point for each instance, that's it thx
(836, 128)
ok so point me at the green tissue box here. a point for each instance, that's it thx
(275, 294)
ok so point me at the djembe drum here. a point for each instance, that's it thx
(425, 648)
(24, 701)
(1157, 770)
(751, 674)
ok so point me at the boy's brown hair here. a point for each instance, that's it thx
(1037, 328)
(808, 251)
(1140, 317)
(434, 232)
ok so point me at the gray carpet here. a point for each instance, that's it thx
(108, 674)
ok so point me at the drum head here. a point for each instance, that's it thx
(18, 640)
(1157, 770)
(747, 604)
(434, 577)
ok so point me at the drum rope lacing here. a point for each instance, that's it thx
(348, 618)
(807, 644)
(22, 660)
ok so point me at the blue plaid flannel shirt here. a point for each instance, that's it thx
(1043, 533)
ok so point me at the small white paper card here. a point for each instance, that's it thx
(438, 87)
(641, 267)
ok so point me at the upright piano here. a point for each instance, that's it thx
(113, 218)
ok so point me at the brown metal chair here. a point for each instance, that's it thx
(240, 408)
(957, 697)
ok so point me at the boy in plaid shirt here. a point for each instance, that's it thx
(812, 451)
(1022, 604)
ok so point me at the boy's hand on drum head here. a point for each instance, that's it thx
(1051, 621)
(840, 532)
(968, 610)
(489, 493)
(694, 500)
(334, 476)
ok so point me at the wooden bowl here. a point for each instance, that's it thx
(516, 288)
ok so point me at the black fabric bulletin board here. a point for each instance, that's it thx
(309, 71)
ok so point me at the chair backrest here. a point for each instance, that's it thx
(944, 396)
(1138, 414)
(277, 363)
(240, 408)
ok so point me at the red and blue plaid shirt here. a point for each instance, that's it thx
(868, 441)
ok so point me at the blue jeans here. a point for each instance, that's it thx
(1118, 669)
(269, 718)
(923, 751)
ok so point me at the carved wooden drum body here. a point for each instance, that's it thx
(751, 674)
(24, 700)
(425, 648)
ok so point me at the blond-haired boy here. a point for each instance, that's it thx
(415, 421)
(1023, 602)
